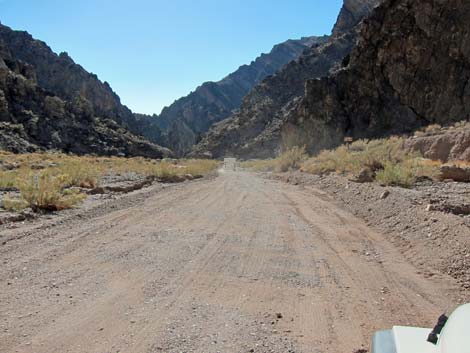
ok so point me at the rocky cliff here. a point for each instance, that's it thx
(254, 131)
(188, 117)
(49, 102)
(352, 12)
(410, 68)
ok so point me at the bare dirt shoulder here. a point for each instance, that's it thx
(429, 223)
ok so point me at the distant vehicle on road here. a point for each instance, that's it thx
(230, 164)
(450, 335)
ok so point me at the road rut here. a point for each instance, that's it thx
(235, 263)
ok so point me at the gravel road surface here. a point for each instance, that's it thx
(235, 263)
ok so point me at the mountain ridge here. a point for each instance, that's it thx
(255, 130)
(47, 101)
(189, 116)
(410, 69)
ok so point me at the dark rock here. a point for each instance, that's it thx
(385, 194)
(255, 131)
(352, 12)
(410, 69)
(49, 102)
(187, 118)
(123, 187)
(455, 173)
(366, 175)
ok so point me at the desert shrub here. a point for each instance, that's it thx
(14, 204)
(7, 180)
(290, 159)
(397, 175)
(45, 180)
(165, 170)
(464, 124)
(373, 154)
(260, 165)
(159, 169)
(46, 191)
(358, 146)
(387, 159)
(433, 129)
(199, 167)
(81, 173)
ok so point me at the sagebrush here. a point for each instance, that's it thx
(52, 181)
(290, 159)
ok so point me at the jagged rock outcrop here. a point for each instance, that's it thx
(451, 145)
(49, 102)
(62, 76)
(352, 12)
(255, 130)
(410, 68)
(187, 118)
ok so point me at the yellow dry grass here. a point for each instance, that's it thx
(290, 159)
(392, 164)
(46, 180)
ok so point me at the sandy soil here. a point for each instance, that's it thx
(235, 263)
(429, 222)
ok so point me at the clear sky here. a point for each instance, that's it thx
(155, 51)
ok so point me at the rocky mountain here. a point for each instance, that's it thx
(254, 131)
(410, 68)
(352, 12)
(49, 102)
(188, 117)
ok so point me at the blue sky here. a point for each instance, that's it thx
(153, 52)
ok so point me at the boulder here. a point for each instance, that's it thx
(455, 173)
(366, 175)
(384, 195)
(450, 145)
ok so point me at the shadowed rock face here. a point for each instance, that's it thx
(410, 68)
(186, 119)
(255, 130)
(59, 74)
(49, 102)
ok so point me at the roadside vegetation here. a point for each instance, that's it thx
(436, 129)
(54, 181)
(385, 161)
(288, 160)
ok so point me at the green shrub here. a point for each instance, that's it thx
(79, 173)
(290, 159)
(8, 180)
(387, 158)
(46, 191)
(14, 204)
(396, 175)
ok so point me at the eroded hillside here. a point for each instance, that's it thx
(49, 102)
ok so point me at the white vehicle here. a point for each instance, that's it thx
(230, 164)
(451, 335)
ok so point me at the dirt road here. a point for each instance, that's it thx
(230, 264)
